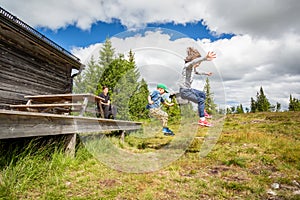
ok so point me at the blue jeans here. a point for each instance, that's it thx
(195, 96)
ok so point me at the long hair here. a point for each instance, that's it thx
(192, 53)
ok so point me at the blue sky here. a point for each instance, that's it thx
(256, 44)
(71, 35)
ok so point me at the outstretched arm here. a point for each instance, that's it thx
(209, 56)
(168, 104)
(150, 100)
(203, 73)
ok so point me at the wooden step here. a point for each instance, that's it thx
(47, 105)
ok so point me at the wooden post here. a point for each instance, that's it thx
(71, 143)
(84, 105)
(122, 136)
(29, 103)
(71, 138)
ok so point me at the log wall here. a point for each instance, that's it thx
(31, 64)
(23, 74)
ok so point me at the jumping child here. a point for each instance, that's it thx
(154, 100)
(192, 61)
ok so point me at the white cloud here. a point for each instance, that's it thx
(268, 19)
(248, 63)
(85, 53)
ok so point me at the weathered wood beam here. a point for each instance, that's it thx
(15, 124)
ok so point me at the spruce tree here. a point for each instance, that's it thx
(294, 104)
(122, 77)
(78, 84)
(106, 54)
(138, 99)
(228, 110)
(278, 107)
(262, 102)
(233, 109)
(174, 111)
(87, 81)
(138, 102)
(106, 57)
(240, 109)
(253, 107)
(210, 106)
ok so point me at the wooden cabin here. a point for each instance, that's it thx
(30, 63)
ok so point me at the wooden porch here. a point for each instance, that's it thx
(15, 124)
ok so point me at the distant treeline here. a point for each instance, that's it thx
(262, 104)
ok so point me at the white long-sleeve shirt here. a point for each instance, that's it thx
(187, 73)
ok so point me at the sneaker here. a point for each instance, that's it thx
(204, 123)
(167, 131)
(207, 116)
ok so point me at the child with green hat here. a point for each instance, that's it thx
(154, 101)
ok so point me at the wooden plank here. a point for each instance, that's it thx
(70, 96)
(46, 105)
(16, 124)
(66, 97)
(15, 83)
(23, 63)
(27, 77)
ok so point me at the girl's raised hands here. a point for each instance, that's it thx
(211, 55)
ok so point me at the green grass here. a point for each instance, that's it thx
(253, 152)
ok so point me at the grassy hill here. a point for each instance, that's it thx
(257, 156)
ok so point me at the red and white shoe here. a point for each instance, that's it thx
(204, 123)
(207, 116)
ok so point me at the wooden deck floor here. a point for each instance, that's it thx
(15, 124)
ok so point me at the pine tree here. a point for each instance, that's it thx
(174, 111)
(247, 110)
(294, 104)
(240, 109)
(253, 107)
(87, 81)
(228, 110)
(232, 109)
(262, 102)
(112, 73)
(278, 107)
(138, 102)
(106, 57)
(210, 106)
(291, 104)
(78, 84)
(106, 54)
(122, 77)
